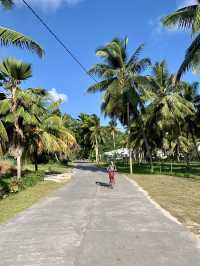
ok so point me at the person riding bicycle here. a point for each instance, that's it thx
(111, 173)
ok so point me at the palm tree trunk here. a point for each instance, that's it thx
(147, 149)
(130, 161)
(114, 144)
(36, 160)
(19, 167)
(195, 143)
(97, 150)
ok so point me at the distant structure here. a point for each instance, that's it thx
(119, 154)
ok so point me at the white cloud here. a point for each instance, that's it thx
(187, 3)
(56, 96)
(49, 4)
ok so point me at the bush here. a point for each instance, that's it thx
(15, 185)
(4, 189)
(32, 179)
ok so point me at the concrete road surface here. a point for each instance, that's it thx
(88, 224)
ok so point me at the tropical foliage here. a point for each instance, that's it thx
(187, 18)
(160, 116)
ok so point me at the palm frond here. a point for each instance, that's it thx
(100, 86)
(183, 18)
(192, 58)
(10, 37)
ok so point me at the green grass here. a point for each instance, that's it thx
(34, 188)
(49, 168)
(16, 203)
(164, 168)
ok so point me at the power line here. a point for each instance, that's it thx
(67, 50)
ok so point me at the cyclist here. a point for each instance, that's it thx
(111, 173)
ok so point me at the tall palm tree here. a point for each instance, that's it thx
(10, 37)
(187, 18)
(117, 74)
(13, 73)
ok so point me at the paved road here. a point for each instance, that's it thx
(85, 224)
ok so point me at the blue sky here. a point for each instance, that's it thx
(83, 26)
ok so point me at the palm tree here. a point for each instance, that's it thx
(13, 73)
(97, 135)
(117, 74)
(112, 127)
(167, 108)
(187, 18)
(92, 132)
(50, 136)
(10, 37)
(190, 93)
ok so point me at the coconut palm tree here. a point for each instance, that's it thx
(166, 108)
(187, 18)
(10, 37)
(117, 74)
(13, 73)
(92, 132)
(96, 135)
(190, 93)
(50, 136)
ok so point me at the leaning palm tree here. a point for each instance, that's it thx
(187, 18)
(50, 136)
(117, 80)
(10, 37)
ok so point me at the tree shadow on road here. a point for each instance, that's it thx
(102, 184)
(89, 167)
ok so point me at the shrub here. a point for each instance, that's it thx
(32, 179)
(15, 185)
(4, 189)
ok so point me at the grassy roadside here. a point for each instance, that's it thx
(35, 188)
(180, 196)
(16, 203)
(164, 168)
